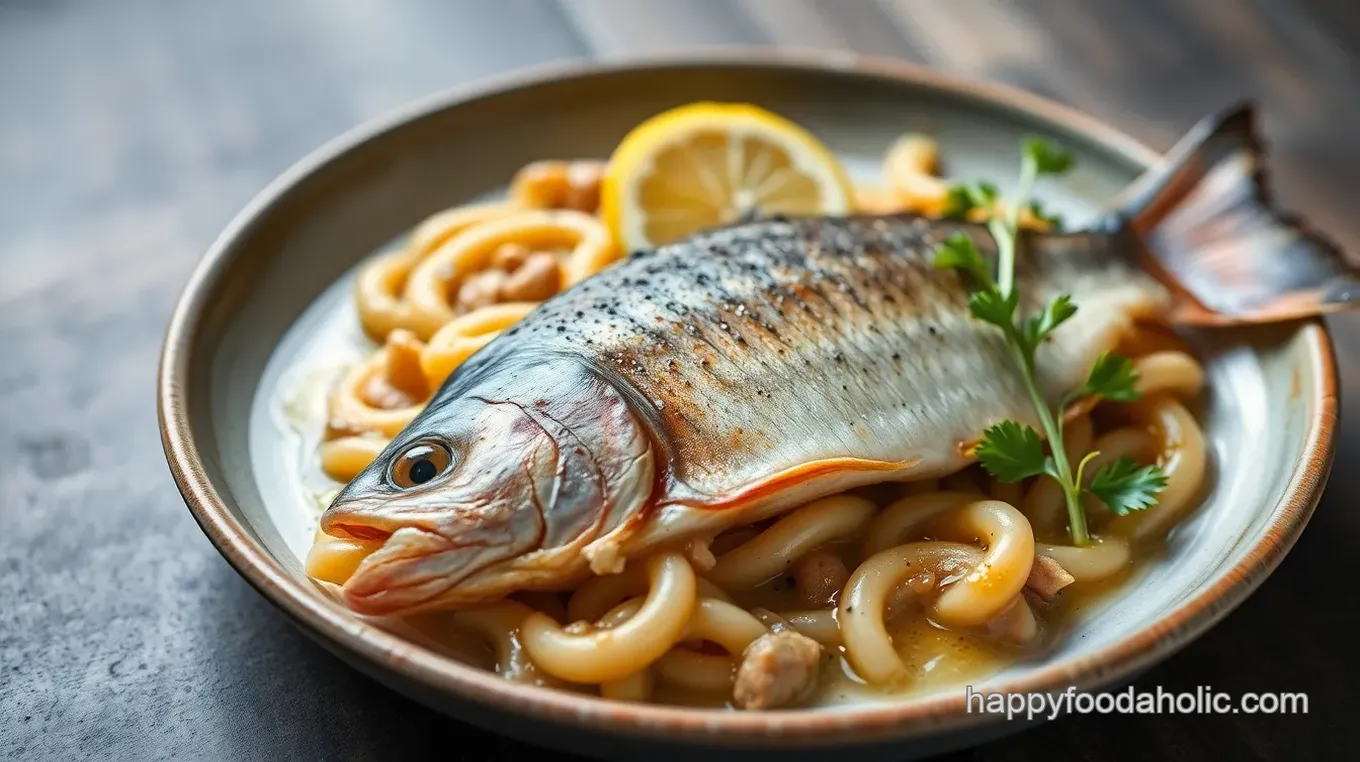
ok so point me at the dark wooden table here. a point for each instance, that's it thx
(131, 131)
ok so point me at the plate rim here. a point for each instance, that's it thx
(910, 718)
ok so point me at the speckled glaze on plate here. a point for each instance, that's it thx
(1270, 415)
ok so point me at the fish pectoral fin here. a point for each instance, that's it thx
(814, 477)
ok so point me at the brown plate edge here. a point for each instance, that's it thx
(910, 718)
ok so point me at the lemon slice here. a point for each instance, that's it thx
(709, 164)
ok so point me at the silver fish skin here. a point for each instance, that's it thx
(725, 379)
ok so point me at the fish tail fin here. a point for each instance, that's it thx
(1206, 224)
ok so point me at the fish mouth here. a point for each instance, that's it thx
(408, 569)
(384, 565)
(366, 521)
(363, 532)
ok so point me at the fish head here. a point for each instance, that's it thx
(491, 490)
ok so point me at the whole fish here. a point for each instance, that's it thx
(722, 380)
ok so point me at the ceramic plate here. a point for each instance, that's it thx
(274, 289)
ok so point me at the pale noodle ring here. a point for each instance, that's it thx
(634, 687)
(711, 673)
(458, 340)
(1175, 373)
(994, 583)
(864, 602)
(818, 624)
(775, 549)
(895, 523)
(438, 228)
(1126, 442)
(378, 288)
(1182, 460)
(1103, 558)
(1044, 503)
(715, 621)
(597, 596)
(730, 626)
(429, 285)
(603, 655)
(909, 166)
(344, 458)
(350, 412)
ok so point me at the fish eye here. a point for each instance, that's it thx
(420, 463)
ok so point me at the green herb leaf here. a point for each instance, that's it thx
(1038, 326)
(958, 202)
(1126, 486)
(1054, 220)
(1112, 377)
(1012, 452)
(1049, 159)
(1009, 450)
(963, 198)
(990, 306)
(959, 252)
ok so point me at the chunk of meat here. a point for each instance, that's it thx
(538, 278)
(699, 551)
(778, 669)
(819, 576)
(1047, 578)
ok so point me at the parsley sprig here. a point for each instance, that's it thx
(1011, 451)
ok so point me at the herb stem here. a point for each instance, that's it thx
(1010, 451)
(1076, 516)
(1005, 231)
(1005, 254)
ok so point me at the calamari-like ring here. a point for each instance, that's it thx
(1182, 458)
(344, 458)
(604, 655)
(719, 622)
(991, 586)
(380, 283)
(396, 367)
(432, 281)
(777, 548)
(864, 603)
(461, 337)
